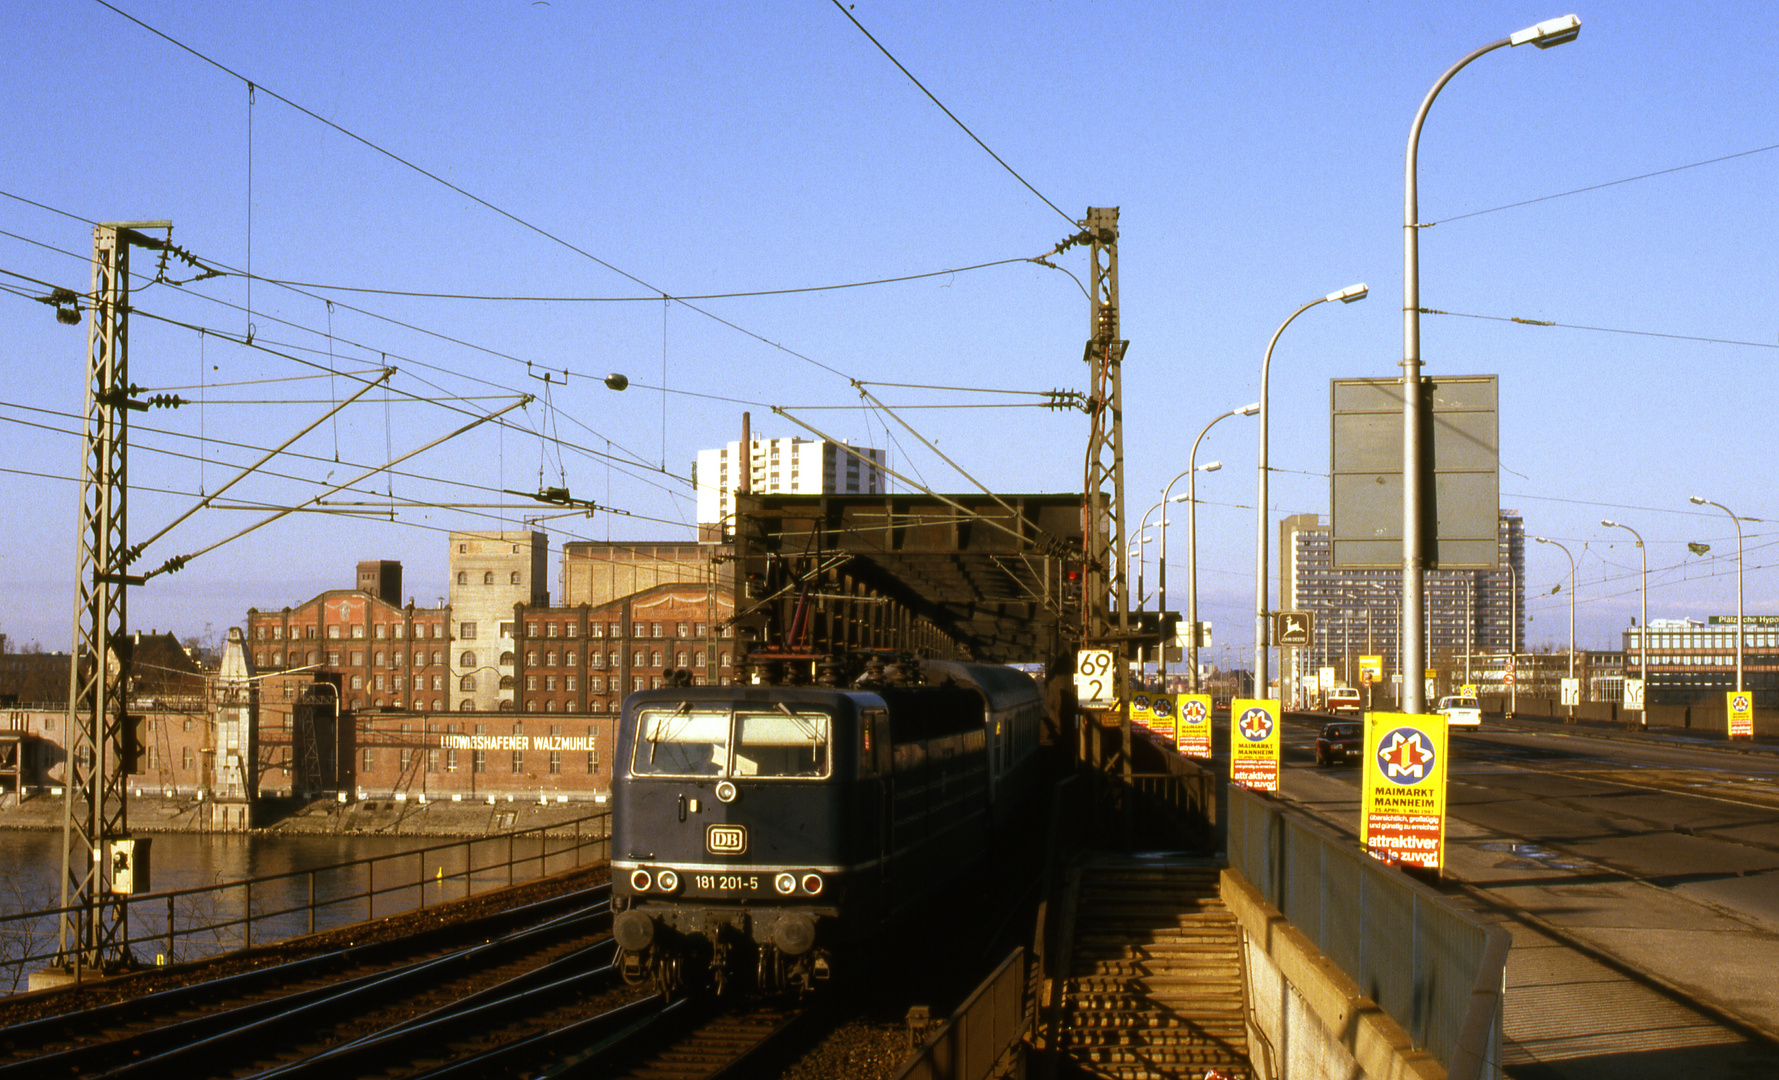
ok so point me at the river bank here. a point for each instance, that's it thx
(322, 817)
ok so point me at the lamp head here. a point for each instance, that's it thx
(1609, 524)
(1549, 32)
(1695, 500)
(1349, 294)
(1249, 410)
(616, 381)
(1541, 539)
(1212, 467)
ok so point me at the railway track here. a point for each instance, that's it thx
(352, 1012)
(697, 1040)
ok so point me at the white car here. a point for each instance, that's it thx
(1464, 711)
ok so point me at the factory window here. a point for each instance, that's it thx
(185, 758)
(596, 629)
(592, 750)
(531, 682)
(680, 630)
(572, 630)
(506, 629)
(466, 631)
(333, 631)
(550, 629)
(358, 682)
(506, 659)
(463, 577)
(530, 657)
(549, 682)
(377, 631)
(467, 684)
(395, 658)
(568, 682)
(438, 682)
(369, 761)
(467, 660)
(655, 658)
(514, 580)
(506, 682)
(570, 658)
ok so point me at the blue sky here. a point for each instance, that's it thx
(619, 151)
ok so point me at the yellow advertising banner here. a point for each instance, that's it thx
(1193, 734)
(1254, 744)
(1161, 717)
(1740, 706)
(1403, 817)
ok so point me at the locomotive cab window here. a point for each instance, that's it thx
(781, 744)
(682, 743)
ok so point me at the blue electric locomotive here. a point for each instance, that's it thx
(758, 831)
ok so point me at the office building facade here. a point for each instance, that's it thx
(1358, 610)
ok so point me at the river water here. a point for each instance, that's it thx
(407, 872)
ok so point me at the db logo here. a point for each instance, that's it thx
(1256, 725)
(1405, 755)
(726, 840)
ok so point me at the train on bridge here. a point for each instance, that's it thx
(762, 833)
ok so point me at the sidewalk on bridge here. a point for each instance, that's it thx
(1702, 950)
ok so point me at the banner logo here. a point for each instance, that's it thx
(1256, 725)
(1405, 755)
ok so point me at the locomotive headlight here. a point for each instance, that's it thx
(640, 880)
(786, 884)
(812, 884)
(668, 880)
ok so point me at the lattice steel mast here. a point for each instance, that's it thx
(94, 927)
(1105, 597)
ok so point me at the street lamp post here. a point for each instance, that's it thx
(1544, 35)
(1643, 634)
(1707, 502)
(1192, 471)
(1345, 296)
(1571, 558)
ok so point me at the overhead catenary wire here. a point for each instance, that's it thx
(847, 11)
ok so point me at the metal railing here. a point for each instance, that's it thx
(1436, 971)
(188, 924)
(977, 1039)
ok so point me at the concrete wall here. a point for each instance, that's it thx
(1308, 1020)
(1709, 717)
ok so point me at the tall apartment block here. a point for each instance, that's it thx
(1357, 611)
(815, 466)
(491, 572)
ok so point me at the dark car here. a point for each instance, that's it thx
(1338, 743)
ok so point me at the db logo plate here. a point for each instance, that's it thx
(726, 840)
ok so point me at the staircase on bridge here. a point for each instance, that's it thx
(1155, 985)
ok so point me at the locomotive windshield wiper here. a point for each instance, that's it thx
(801, 721)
